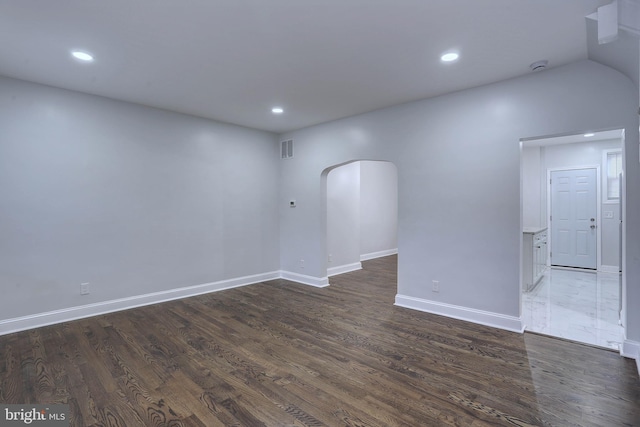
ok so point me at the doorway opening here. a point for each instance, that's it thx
(571, 267)
(361, 214)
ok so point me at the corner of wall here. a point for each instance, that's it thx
(380, 254)
(318, 282)
(631, 349)
(494, 320)
(334, 271)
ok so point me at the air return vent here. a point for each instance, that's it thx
(286, 149)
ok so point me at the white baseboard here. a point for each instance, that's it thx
(318, 282)
(380, 254)
(487, 318)
(631, 349)
(344, 269)
(17, 324)
(609, 269)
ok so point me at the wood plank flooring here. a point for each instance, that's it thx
(283, 354)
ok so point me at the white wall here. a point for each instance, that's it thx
(362, 213)
(532, 182)
(343, 216)
(458, 161)
(378, 208)
(131, 199)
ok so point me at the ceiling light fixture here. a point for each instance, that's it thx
(277, 110)
(449, 57)
(589, 135)
(82, 56)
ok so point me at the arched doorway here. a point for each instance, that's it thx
(361, 213)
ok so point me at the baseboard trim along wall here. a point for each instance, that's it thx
(318, 282)
(344, 269)
(18, 324)
(487, 318)
(380, 254)
(609, 269)
(631, 349)
(9, 326)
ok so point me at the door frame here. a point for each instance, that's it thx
(598, 209)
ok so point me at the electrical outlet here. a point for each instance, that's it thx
(435, 287)
(330, 257)
(302, 264)
(84, 289)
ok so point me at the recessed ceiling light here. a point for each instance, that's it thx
(589, 135)
(277, 110)
(449, 57)
(82, 56)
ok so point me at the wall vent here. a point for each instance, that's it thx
(286, 149)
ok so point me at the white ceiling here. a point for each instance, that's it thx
(232, 60)
(574, 138)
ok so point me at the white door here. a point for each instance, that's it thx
(573, 218)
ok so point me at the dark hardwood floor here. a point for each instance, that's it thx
(283, 354)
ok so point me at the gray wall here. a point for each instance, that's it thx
(378, 207)
(131, 199)
(533, 211)
(458, 161)
(343, 215)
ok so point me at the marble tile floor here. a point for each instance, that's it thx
(576, 305)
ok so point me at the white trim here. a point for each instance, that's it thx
(631, 349)
(582, 270)
(17, 324)
(487, 318)
(333, 271)
(318, 282)
(609, 269)
(379, 254)
(605, 173)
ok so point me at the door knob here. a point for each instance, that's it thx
(593, 226)
(593, 219)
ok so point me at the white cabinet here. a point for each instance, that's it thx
(534, 256)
